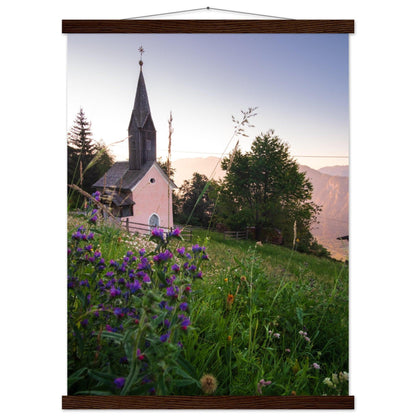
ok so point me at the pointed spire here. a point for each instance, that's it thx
(142, 142)
(141, 108)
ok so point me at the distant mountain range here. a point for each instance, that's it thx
(330, 191)
(336, 170)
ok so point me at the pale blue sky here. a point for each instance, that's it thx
(298, 82)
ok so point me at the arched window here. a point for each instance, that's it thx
(154, 221)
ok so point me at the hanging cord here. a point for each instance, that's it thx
(208, 9)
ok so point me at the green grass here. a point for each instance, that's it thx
(274, 291)
(282, 291)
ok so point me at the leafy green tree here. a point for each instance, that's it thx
(196, 200)
(265, 189)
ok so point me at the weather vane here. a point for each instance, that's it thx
(141, 50)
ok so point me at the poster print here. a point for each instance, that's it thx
(207, 255)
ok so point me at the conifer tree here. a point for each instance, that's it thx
(87, 159)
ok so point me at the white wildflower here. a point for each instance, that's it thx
(328, 382)
(343, 376)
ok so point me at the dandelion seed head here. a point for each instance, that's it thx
(208, 384)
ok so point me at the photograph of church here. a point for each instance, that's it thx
(138, 189)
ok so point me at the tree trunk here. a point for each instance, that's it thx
(257, 232)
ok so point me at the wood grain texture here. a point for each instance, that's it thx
(205, 402)
(207, 26)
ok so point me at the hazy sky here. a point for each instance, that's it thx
(298, 82)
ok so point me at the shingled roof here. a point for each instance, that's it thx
(141, 109)
(121, 177)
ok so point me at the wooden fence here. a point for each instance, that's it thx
(237, 235)
(139, 228)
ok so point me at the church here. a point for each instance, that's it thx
(138, 189)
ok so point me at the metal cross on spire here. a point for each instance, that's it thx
(141, 51)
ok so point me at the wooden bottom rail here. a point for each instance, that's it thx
(205, 402)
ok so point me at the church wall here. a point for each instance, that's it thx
(152, 198)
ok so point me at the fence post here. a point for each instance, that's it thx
(127, 225)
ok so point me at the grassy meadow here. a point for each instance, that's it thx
(160, 315)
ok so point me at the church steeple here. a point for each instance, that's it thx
(142, 132)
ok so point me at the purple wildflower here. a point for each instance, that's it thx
(170, 280)
(157, 232)
(119, 382)
(161, 257)
(175, 268)
(135, 286)
(262, 383)
(142, 252)
(146, 279)
(196, 248)
(170, 291)
(183, 306)
(165, 337)
(181, 251)
(114, 291)
(175, 233)
(96, 195)
(76, 236)
(185, 321)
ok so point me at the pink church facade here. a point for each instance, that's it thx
(138, 189)
(153, 198)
